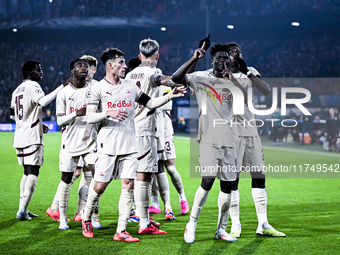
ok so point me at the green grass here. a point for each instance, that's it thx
(306, 209)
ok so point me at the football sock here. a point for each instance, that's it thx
(260, 200)
(223, 209)
(154, 193)
(199, 200)
(22, 188)
(163, 186)
(124, 207)
(31, 183)
(176, 181)
(142, 198)
(55, 203)
(83, 191)
(92, 199)
(63, 195)
(235, 207)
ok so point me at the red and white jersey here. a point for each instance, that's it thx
(78, 136)
(244, 129)
(28, 114)
(115, 137)
(145, 119)
(217, 102)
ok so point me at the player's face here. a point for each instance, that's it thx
(219, 59)
(118, 67)
(37, 73)
(80, 69)
(233, 52)
(92, 71)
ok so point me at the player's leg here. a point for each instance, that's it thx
(154, 207)
(63, 196)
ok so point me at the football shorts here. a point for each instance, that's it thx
(31, 155)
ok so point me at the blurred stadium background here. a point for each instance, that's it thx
(282, 39)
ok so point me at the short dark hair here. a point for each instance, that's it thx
(231, 44)
(72, 63)
(111, 53)
(28, 67)
(218, 47)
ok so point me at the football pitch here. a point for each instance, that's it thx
(307, 210)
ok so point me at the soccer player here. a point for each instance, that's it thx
(26, 110)
(148, 77)
(113, 98)
(249, 148)
(168, 156)
(78, 137)
(217, 142)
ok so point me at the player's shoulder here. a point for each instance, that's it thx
(254, 71)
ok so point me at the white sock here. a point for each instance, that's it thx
(260, 200)
(83, 191)
(199, 200)
(235, 209)
(142, 197)
(31, 183)
(154, 193)
(63, 195)
(163, 186)
(92, 199)
(223, 210)
(124, 206)
(22, 189)
(176, 181)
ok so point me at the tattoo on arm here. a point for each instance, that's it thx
(164, 80)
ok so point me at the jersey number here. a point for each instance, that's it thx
(19, 107)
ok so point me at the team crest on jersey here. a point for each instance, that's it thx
(38, 91)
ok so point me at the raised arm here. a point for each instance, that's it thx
(179, 75)
(49, 97)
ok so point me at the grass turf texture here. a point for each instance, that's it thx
(306, 209)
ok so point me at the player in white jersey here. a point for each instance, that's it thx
(148, 77)
(112, 105)
(26, 110)
(169, 155)
(53, 210)
(78, 137)
(249, 148)
(217, 143)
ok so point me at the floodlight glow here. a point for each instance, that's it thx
(15, 30)
(163, 28)
(230, 26)
(295, 24)
(50, 1)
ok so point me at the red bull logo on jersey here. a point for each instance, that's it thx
(73, 109)
(120, 104)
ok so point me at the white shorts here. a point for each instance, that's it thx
(31, 155)
(160, 147)
(69, 163)
(147, 154)
(218, 162)
(112, 167)
(169, 148)
(81, 162)
(250, 156)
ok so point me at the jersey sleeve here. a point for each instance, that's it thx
(254, 71)
(36, 92)
(61, 104)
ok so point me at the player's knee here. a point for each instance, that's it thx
(258, 183)
(66, 177)
(226, 186)
(160, 167)
(30, 169)
(207, 183)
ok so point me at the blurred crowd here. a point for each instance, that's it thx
(157, 9)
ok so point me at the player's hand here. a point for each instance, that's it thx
(226, 72)
(117, 114)
(200, 52)
(179, 91)
(45, 129)
(81, 112)
(241, 64)
(206, 41)
(68, 81)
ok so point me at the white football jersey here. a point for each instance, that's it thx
(145, 119)
(28, 114)
(78, 136)
(168, 128)
(218, 105)
(244, 129)
(115, 137)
